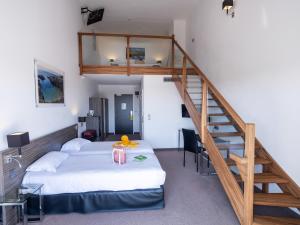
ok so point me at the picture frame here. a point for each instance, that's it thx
(49, 85)
(137, 54)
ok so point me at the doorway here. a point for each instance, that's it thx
(124, 114)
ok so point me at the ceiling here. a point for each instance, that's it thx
(149, 12)
(115, 80)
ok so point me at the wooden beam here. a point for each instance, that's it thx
(249, 179)
(128, 55)
(126, 35)
(80, 55)
(123, 70)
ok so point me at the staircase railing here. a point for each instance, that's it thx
(241, 197)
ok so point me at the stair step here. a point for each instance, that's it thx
(227, 134)
(195, 92)
(221, 124)
(230, 146)
(276, 199)
(265, 178)
(210, 106)
(217, 114)
(258, 161)
(269, 220)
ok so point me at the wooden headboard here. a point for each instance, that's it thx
(11, 175)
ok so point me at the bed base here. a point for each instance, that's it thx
(100, 201)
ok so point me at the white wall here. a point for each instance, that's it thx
(109, 92)
(253, 59)
(179, 29)
(162, 112)
(130, 27)
(45, 30)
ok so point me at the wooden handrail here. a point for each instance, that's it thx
(226, 177)
(215, 92)
(125, 35)
(242, 203)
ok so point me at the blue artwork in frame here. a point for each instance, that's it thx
(137, 54)
(49, 85)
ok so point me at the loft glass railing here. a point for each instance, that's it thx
(125, 54)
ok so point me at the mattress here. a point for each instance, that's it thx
(106, 147)
(87, 173)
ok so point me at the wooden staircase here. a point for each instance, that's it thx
(247, 163)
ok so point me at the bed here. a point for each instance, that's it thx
(85, 183)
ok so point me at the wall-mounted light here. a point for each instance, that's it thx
(227, 6)
(17, 140)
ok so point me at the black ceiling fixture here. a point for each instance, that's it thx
(227, 6)
(94, 15)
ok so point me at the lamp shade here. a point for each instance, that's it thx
(18, 139)
(81, 119)
(227, 5)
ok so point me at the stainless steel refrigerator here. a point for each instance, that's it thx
(99, 121)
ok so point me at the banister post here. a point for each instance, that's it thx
(173, 57)
(249, 179)
(80, 53)
(127, 55)
(204, 110)
(183, 80)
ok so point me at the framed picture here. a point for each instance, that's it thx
(49, 85)
(137, 54)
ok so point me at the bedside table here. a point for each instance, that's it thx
(28, 190)
(11, 200)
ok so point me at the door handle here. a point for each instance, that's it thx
(131, 115)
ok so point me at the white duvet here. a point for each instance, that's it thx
(106, 147)
(86, 173)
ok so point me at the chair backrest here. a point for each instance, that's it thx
(189, 140)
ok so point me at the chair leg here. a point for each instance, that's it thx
(197, 162)
(201, 160)
(208, 162)
(195, 157)
(183, 158)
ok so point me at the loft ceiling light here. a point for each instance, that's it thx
(227, 6)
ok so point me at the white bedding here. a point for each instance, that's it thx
(106, 147)
(86, 173)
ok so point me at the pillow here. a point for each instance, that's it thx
(74, 145)
(48, 162)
